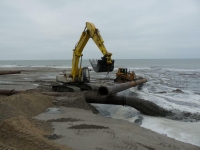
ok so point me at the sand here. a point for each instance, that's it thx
(32, 120)
(18, 130)
(92, 131)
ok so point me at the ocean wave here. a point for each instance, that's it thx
(134, 68)
(181, 70)
(59, 67)
(186, 132)
(11, 66)
(183, 102)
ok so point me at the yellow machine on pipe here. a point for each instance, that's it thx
(123, 75)
(81, 75)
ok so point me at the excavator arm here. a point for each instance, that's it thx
(95, 35)
(104, 65)
(77, 53)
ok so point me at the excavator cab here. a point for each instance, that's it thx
(85, 74)
(102, 65)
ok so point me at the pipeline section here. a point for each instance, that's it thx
(106, 91)
(144, 106)
(9, 92)
(13, 91)
(10, 72)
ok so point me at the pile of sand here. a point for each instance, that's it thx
(31, 103)
(17, 128)
(19, 131)
(74, 100)
(22, 133)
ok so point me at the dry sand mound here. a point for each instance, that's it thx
(8, 111)
(21, 133)
(18, 130)
(74, 100)
(30, 103)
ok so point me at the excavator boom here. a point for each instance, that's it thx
(81, 74)
(106, 64)
(95, 35)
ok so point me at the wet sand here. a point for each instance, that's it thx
(25, 118)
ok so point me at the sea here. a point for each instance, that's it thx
(164, 77)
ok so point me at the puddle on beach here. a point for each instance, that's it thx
(53, 110)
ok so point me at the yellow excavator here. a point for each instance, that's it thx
(79, 76)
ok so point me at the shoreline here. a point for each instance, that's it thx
(31, 76)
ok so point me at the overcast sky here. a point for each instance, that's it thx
(131, 29)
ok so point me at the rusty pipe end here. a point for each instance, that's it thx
(103, 91)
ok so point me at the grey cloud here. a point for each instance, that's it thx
(131, 29)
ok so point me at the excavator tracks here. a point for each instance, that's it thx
(63, 88)
(71, 87)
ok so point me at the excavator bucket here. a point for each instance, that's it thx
(101, 65)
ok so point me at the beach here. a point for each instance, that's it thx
(34, 119)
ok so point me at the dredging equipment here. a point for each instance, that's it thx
(144, 106)
(106, 91)
(13, 91)
(9, 92)
(10, 72)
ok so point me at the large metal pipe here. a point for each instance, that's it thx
(105, 91)
(10, 72)
(13, 91)
(92, 97)
(144, 106)
(9, 92)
